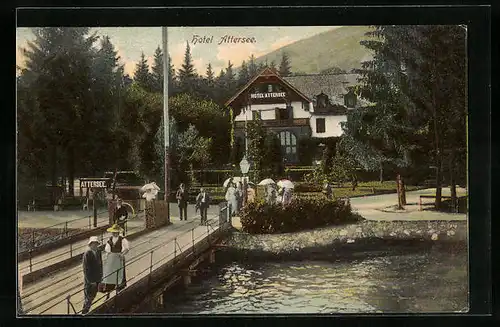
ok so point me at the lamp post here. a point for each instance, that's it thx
(166, 120)
(244, 166)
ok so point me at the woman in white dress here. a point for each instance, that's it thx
(114, 263)
(232, 198)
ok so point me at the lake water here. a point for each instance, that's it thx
(431, 280)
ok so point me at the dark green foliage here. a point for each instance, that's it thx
(301, 214)
(285, 67)
(142, 76)
(157, 72)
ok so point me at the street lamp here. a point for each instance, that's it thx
(244, 166)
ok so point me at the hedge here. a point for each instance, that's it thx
(300, 214)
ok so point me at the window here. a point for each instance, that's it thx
(282, 114)
(288, 142)
(256, 115)
(350, 100)
(322, 100)
(320, 125)
(305, 106)
(269, 88)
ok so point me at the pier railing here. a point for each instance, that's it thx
(73, 250)
(211, 226)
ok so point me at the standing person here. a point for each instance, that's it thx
(327, 190)
(287, 196)
(19, 292)
(182, 201)
(250, 194)
(231, 198)
(121, 215)
(114, 266)
(271, 194)
(202, 202)
(239, 195)
(92, 271)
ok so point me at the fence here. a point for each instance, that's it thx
(72, 249)
(178, 249)
(63, 230)
(77, 274)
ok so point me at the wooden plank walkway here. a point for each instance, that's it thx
(67, 251)
(49, 295)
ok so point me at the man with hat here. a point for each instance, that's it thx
(121, 214)
(114, 267)
(92, 271)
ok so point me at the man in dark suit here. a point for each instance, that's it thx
(182, 201)
(202, 202)
(92, 271)
(121, 215)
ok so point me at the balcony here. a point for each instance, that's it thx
(278, 123)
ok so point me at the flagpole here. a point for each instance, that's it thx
(166, 120)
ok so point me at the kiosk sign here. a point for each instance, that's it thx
(94, 182)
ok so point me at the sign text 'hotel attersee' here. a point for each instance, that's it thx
(267, 95)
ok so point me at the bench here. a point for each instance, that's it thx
(433, 196)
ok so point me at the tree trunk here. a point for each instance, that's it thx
(453, 188)
(53, 174)
(438, 182)
(400, 192)
(381, 172)
(71, 171)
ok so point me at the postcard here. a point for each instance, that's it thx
(242, 170)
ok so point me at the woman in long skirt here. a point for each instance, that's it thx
(116, 248)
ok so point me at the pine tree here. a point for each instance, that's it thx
(187, 73)
(273, 65)
(285, 68)
(157, 71)
(229, 75)
(210, 74)
(142, 75)
(55, 89)
(172, 78)
(243, 76)
(252, 67)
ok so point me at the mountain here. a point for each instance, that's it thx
(335, 48)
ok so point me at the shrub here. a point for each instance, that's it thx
(300, 214)
(307, 187)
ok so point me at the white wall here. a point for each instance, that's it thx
(268, 111)
(332, 125)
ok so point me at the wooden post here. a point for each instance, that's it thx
(212, 256)
(398, 188)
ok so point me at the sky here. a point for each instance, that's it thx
(130, 42)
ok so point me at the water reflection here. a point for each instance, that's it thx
(431, 281)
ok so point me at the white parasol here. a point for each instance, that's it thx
(150, 191)
(267, 181)
(285, 183)
(235, 180)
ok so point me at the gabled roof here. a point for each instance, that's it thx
(335, 86)
(267, 72)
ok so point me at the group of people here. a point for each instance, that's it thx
(202, 203)
(236, 197)
(99, 277)
(278, 195)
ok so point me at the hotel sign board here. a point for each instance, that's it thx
(267, 95)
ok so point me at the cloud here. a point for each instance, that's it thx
(200, 66)
(177, 54)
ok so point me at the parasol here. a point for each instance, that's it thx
(267, 181)
(285, 183)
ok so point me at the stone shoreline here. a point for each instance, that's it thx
(360, 236)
